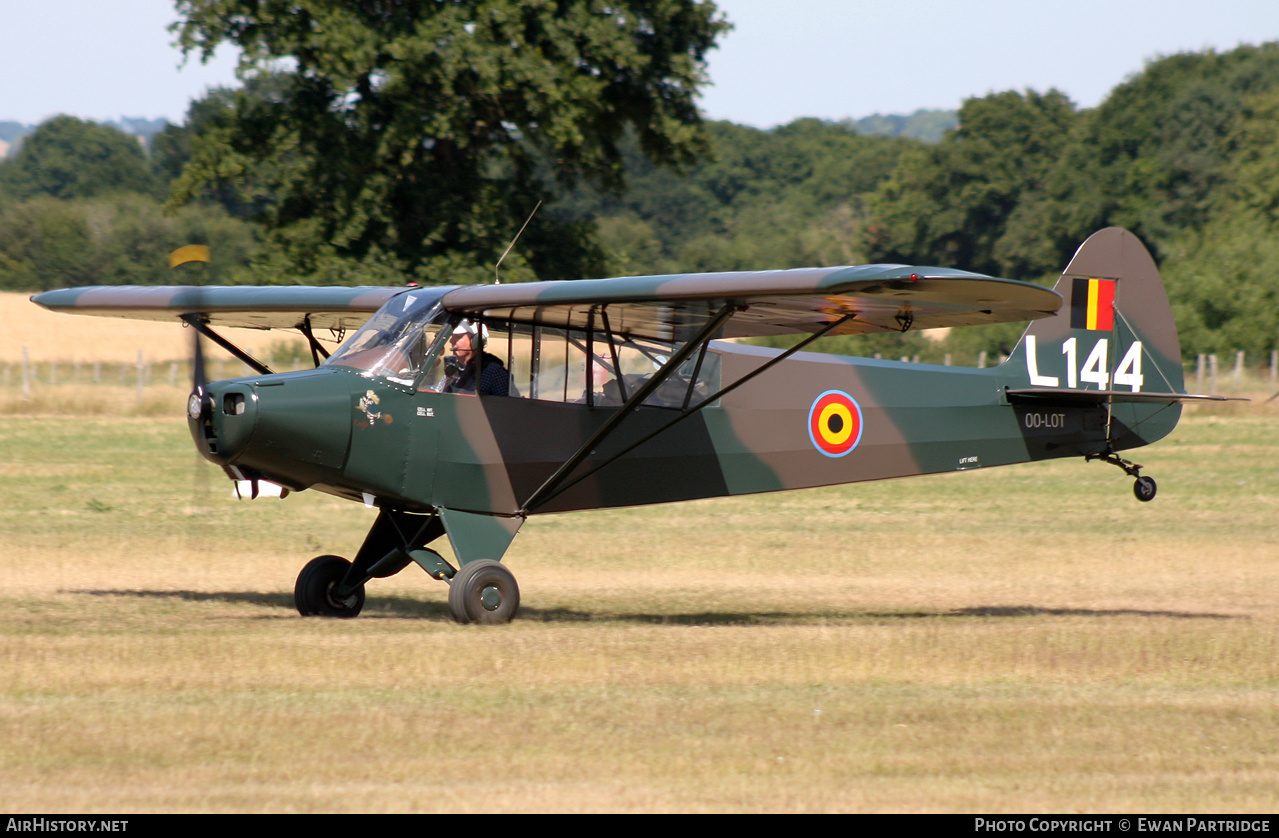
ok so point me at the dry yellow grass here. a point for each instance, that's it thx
(65, 338)
(1013, 640)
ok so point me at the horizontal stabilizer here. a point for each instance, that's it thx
(1099, 396)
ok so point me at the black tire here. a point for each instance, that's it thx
(313, 593)
(483, 592)
(1144, 488)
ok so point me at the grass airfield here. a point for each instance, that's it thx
(1024, 639)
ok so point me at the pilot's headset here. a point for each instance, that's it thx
(479, 337)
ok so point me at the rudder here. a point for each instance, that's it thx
(1114, 335)
(1115, 330)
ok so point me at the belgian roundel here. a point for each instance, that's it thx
(835, 423)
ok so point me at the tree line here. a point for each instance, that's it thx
(377, 143)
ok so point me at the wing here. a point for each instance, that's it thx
(880, 298)
(243, 306)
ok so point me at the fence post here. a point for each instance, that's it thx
(1274, 366)
(1238, 372)
(141, 371)
(1199, 373)
(1212, 374)
(26, 376)
(946, 359)
(981, 360)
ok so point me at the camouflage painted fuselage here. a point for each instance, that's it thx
(489, 454)
(1076, 384)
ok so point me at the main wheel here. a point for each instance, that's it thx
(1144, 488)
(484, 592)
(313, 593)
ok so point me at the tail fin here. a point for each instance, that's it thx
(1113, 342)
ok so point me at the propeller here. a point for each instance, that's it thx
(199, 380)
(198, 402)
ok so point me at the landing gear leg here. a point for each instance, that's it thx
(481, 591)
(1143, 488)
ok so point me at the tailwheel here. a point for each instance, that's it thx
(315, 593)
(484, 592)
(1143, 487)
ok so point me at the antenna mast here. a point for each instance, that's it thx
(496, 279)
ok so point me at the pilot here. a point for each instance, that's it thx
(461, 376)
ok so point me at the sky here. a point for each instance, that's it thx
(831, 59)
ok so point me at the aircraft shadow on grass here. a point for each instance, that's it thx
(405, 607)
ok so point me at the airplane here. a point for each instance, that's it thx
(599, 393)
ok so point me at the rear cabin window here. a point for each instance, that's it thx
(574, 366)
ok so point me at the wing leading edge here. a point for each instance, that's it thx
(240, 306)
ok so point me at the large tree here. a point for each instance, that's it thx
(67, 157)
(955, 203)
(417, 134)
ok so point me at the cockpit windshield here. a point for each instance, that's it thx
(398, 339)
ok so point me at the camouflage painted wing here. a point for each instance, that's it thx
(881, 298)
(243, 306)
(805, 300)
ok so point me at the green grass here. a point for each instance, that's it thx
(1021, 639)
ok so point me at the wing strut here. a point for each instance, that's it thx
(612, 348)
(193, 320)
(316, 349)
(549, 490)
(549, 487)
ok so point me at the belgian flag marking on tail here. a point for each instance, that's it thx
(1092, 304)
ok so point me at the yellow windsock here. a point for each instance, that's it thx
(190, 253)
